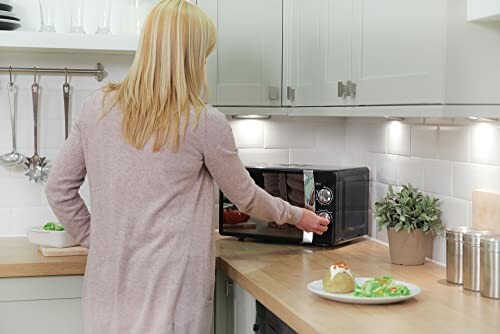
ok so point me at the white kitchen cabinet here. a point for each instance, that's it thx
(473, 61)
(249, 52)
(245, 311)
(43, 305)
(399, 52)
(483, 10)
(317, 51)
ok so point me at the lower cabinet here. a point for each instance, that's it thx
(268, 323)
(237, 312)
(43, 305)
(235, 309)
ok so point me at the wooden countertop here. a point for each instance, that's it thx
(278, 275)
(20, 258)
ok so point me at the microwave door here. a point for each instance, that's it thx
(285, 185)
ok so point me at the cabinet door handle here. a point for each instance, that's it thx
(341, 89)
(228, 286)
(351, 88)
(274, 93)
(290, 93)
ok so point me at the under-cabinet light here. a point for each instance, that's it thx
(393, 118)
(251, 116)
(482, 119)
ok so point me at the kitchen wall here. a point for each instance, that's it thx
(448, 161)
(23, 203)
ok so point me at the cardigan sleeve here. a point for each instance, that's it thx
(222, 161)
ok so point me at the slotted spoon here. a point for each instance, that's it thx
(37, 169)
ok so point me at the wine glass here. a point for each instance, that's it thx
(104, 17)
(77, 16)
(47, 15)
(138, 11)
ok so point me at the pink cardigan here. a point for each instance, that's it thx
(151, 262)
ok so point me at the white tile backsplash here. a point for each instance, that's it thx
(398, 137)
(26, 219)
(271, 156)
(387, 168)
(438, 177)
(454, 143)
(316, 156)
(485, 140)
(288, 132)
(329, 133)
(424, 141)
(19, 193)
(366, 135)
(248, 133)
(411, 171)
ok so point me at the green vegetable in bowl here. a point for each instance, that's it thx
(51, 226)
(381, 287)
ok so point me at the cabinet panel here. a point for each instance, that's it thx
(245, 311)
(57, 316)
(318, 42)
(249, 51)
(400, 51)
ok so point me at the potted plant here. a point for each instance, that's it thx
(408, 215)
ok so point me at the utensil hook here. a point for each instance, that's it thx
(66, 75)
(34, 68)
(10, 75)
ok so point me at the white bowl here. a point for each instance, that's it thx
(56, 239)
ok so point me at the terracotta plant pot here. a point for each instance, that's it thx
(407, 249)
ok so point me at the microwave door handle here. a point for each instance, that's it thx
(310, 201)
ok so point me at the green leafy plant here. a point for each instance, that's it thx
(408, 210)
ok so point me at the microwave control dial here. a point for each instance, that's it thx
(326, 215)
(325, 196)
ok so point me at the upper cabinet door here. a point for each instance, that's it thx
(400, 51)
(318, 51)
(246, 69)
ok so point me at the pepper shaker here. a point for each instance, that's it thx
(490, 266)
(471, 259)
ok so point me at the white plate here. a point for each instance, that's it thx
(316, 287)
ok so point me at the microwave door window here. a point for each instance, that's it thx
(287, 186)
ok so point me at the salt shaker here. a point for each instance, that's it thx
(454, 254)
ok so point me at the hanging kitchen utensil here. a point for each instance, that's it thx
(66, 104)
(37, 166)
(13, 158)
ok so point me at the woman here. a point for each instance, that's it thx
(151, 150)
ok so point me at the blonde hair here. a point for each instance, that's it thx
(167, 76)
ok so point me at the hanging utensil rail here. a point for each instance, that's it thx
(98, 72)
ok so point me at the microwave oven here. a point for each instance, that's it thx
(340, 194)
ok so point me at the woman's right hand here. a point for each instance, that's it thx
(311, 222)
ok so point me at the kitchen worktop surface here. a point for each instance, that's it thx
(277, 275)
(20, 258)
